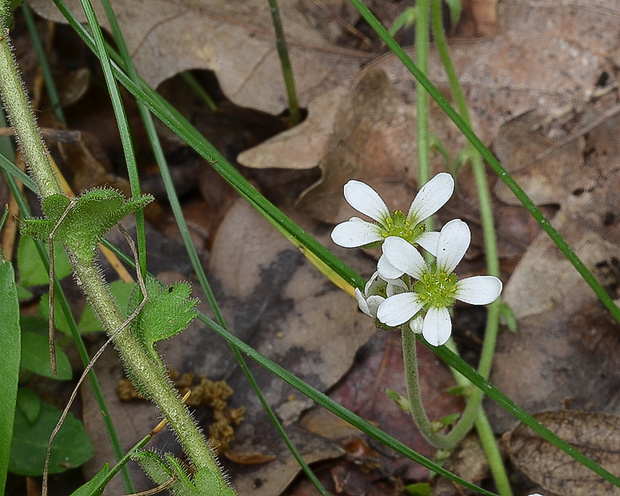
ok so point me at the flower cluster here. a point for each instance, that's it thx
(406, 289)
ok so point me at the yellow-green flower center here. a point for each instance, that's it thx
(398, 225)
(436, 288)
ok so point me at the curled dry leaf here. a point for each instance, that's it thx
(595, 435)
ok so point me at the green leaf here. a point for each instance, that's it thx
(91, 488)
(71, 447)
(161, 471)
(121, 291)
(92, 215)
(167, 312)
(9, 362)
(36, 358)
(30, 267)
(29, 404)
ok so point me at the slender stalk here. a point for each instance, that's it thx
(421, 50)
(285, 62)
(121, 123)
(416, 406)
(485, 432)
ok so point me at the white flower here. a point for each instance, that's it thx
(436, 287)
(375, 291)
(357, 232)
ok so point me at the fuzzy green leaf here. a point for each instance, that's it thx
(93, 214)
(167, 312)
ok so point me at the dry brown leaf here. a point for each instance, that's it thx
(235, 40)
(595, 435)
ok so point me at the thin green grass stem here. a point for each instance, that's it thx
(285, 62)
(195, 85)
(494, 457)
(485, 433)
(121, 123)
(422, 141)
(46, 71)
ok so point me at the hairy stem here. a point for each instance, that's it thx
(134, 356)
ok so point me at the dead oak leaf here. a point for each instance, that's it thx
(235, 40)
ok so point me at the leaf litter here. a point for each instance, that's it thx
(533, 84)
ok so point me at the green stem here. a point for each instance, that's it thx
(285, 62)
(135, 358)
(416, 406)
(23, 122)
(421, 45)
(142, 367)
(121, 123)
(485, 432)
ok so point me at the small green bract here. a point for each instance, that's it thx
(167, 312)
(93, 214)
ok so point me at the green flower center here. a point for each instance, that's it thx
(398, 225)
(436, 288)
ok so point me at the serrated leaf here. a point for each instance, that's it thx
(9, 361)
(154, 466)
(93, 214)
(92, 487)
(36, 358)
(167, 312)
(30, 267)
(594, 434)
(160, 472)
(71, 447)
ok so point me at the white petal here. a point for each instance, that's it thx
(428, 241)
(478, 290)
(373, 304)
(366, 200)
(431, 197)
(361, 302)
(387, 270)
(356, 232)
(374, 284)
(454, 240)
(398, 309)
(404, 256)
(437, 326)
